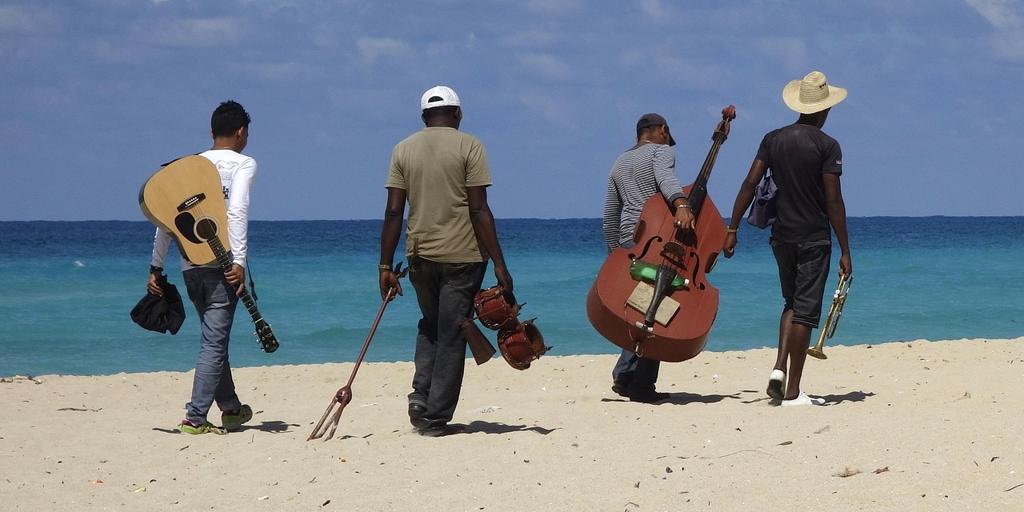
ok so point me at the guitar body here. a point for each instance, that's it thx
(186, 198)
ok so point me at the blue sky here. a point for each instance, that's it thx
(95, 94)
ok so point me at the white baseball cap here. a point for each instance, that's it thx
(439, 96)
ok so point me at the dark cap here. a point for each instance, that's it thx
(652, 119)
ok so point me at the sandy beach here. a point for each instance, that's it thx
(916, 425)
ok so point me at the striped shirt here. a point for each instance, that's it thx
(637, 175)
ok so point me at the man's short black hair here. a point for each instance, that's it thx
(228, 118)
(447, 111)
(645, 129)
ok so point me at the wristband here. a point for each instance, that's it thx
(384, 267)
(156, 270)
(731, 230)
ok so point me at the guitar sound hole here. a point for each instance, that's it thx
(206, 229)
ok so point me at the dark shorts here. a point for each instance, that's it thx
(803, 270)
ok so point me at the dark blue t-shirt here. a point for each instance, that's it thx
(798, 155)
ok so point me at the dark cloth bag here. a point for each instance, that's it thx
(160, 313)
(762, 211)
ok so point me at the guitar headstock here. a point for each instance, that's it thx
(266, 337)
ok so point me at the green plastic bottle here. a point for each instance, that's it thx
(646, 272)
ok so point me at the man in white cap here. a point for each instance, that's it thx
(450, 235)
(805, 164)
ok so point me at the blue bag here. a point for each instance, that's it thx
(762, 211)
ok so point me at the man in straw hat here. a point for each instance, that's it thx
(805, 164)
(443, 175)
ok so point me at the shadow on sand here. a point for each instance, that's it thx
(273, 427)
(487, 427)
(852, 396)
(684, 398)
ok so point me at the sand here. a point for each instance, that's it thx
(907, 426)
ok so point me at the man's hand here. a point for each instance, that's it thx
(236, 278)
(846, 265)
(505, 280)
(684, 218)
(153, 287)
(729, 248)
(389, 280)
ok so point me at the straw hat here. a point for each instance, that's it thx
(812, 94)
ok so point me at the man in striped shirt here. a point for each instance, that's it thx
(642, 171)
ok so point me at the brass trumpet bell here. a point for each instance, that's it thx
(834, 312)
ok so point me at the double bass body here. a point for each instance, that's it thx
(616, 302)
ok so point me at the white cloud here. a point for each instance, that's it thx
(278, 70)
(372, 48)
(532, 38)
(25, 20)
(1002, 14)
(198, 32)
(554, 6)
(1007, 19)
(658, 11)
(666, 64)
(546, 65)
(552, 109)
(790, 51)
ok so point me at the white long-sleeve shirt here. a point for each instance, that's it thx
(237, 172)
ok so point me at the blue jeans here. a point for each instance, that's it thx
(215, 302)
(445, 294)
(637, 373)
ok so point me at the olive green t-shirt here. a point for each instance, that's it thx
(434, 166)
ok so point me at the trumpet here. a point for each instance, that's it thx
(834, 312)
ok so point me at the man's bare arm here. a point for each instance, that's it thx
(486, 233)
(389, 234)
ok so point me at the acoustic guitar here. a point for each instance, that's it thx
(185, 198)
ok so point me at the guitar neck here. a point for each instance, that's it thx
(224, 260)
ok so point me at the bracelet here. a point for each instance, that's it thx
(687, 206)
(384, 267)
(156, 270)
(731, 230)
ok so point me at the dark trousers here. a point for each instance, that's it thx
(637, 373)
(215, 302)
(445, 294)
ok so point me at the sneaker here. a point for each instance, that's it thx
(233, 421)
(776, 382)
(187, 427)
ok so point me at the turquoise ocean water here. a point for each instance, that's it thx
(66, 289)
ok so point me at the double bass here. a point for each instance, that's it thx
(655, 298)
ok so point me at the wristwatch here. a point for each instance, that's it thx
(156, 270)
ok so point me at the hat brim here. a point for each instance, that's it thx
(791, 96)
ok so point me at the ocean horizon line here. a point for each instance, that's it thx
(373, 219)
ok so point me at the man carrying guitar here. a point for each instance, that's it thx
(213, 291)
